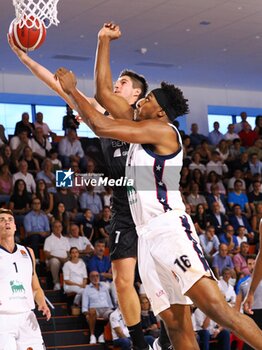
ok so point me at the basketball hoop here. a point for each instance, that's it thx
(28, 11)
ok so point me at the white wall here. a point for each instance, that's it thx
(199, 98)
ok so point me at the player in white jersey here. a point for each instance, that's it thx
(173, 255)
(20, 289)
(256, 278)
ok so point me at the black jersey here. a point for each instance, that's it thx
(115, 154)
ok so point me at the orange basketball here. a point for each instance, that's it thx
(28, 39)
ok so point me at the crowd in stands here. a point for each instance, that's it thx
(221, 185)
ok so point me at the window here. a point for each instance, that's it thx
(223, 120)
(11, 114)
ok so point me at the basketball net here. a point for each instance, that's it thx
(32, 13)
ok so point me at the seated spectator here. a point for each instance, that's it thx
(215, 136)
(19, 142)
(255, 164)
(247, 135)
(6, 184)
(107, 196)
(256, 148)
(241, 235)
(235, 152)
(185, 180)
(201, 219)
(70, 149)
(92, 173)
(24, 175)
(46, 198)
(258, 125)
(207, 330)
(40, 124)
(7, 157)
(19, 203)
(199, 179)
(195, 137)
(25, 125)
(238, 175)
(47, 175)
(148, 321)
(209, 242)
(187, 148)
(204, 150)
(242, 164)
(32, 162)
(216, 165)
(65, 196)
(194, 198)
(40, 145)
(238, 219)
(57, 165)
(61, 215)
(101, 263)
(223, 150)
(255, 220)
(91, 200)
(231, 135)
(119, 330)
(222, 260)
(56, 249)
(255, 196)
(217, 219)
(103, 225)
(229, 238)
(78, 185)
(36, 226)
(196, 164)
(96, 302)
(84, 246)
(240, 198)
(225, 286)
(214, 179)
(215, 196)
(240, 260)
(86, 225)
(75, 275)
(3, 139)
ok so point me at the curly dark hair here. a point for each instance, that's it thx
(138, 80)
(176, 99)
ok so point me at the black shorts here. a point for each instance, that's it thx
(123, 243)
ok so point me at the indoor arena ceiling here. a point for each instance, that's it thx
(214, 43)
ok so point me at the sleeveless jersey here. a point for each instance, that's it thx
(16, 271)
(155, 187)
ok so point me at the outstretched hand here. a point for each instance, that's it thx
(66, 78)
(248, 303)
(16, 49)
(45, 311)
(110, 30)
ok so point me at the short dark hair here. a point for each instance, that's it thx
(6, 211)
(176, 99)
(138, 80)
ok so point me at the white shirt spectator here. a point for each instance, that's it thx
(36, 148)
(228, 291)
(231, 136)
(56, 246)
(74, 272)
(217, 167)
(66, 148)
(80, 243)
(44, 126)
(28, 179)
(116, 320)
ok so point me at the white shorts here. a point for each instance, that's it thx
(20, 332)
(170, 259)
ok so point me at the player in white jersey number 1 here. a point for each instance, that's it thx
(171, 261)
(19, 290)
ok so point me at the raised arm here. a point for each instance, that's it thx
(46, 76)
(256, 278)
(114, 104)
